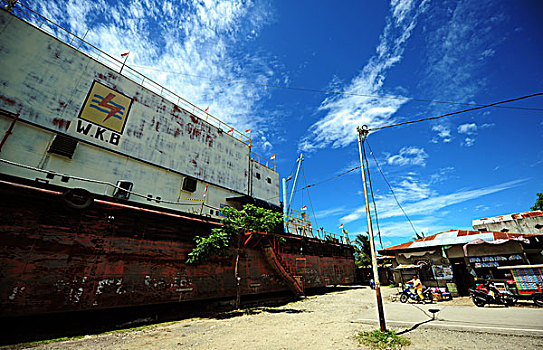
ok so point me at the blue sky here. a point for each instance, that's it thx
(445, 173)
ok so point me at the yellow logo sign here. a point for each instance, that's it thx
(106, 107)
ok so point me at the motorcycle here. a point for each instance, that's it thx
(487, 293)
(407, 294)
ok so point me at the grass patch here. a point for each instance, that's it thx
(382, 340)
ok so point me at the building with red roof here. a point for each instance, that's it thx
(455, 259)
(528, 222)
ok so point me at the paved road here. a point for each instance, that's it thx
(511, 320)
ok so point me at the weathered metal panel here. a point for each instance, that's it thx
(265, 183)
(49, 83)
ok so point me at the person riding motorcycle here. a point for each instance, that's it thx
(417, 285)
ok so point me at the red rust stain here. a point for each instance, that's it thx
(177, 132)
(61, 123)
(194, 119)
(9, 101)
(157, 125)
(209, 140)
(194, 163)
(176, 109)
(61, 105)
(101, 76)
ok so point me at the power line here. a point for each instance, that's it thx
(332, 92)
(321, 182)
(309, 197)
(331, 178)
(371, 191)
(457, 112)
(390, 187)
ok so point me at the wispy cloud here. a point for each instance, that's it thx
(408, 156)
(460, 40)
(418, 199)
(330, 212)
(344, 113)
(193, 39)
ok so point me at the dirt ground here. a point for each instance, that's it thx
(318, 322)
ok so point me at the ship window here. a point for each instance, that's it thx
(257, 175)
(189, 184)
(123, 189)
(269, 180)
(63, 145)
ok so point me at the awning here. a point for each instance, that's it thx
(406, 266)
(521, 267)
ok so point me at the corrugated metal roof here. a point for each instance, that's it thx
(507, 217)
(453, 237)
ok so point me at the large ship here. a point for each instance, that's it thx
(106, 177)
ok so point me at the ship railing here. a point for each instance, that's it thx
(30, 16)
(305, 230)
(263, 161)
(180, 202)
(297, 214)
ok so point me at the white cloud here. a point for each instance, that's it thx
(468, 129)
(443, 132)
(345, 112)
(408, 156)
(469, 141)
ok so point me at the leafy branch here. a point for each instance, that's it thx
(236, 222)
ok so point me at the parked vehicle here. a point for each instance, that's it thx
(487, 293)
(406, 294)
(528, 280)
(537, 297)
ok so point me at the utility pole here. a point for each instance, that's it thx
(362, 134)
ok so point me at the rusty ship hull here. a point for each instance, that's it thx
(58, 259)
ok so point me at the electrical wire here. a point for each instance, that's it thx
(331, 92)
(321, 182)
(390, 187)
(457, 112)
(331, 178)
(372, 196)
(309, 197)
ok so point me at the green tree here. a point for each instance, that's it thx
(236, 222)
(362, 251)
(538, 203)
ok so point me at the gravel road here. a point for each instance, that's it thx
(318, 322)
